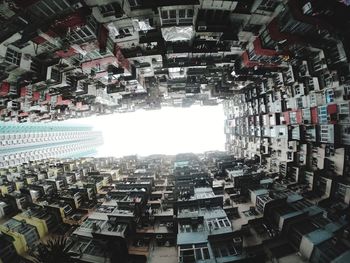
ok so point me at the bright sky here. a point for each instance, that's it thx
(166, 131)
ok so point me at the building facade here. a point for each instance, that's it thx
(33, 141)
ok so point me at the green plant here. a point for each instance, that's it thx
(54, 250)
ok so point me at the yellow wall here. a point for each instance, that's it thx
(19, 240)
(105, 181)
(40, 224)
(4, 190)
(62, 213)
(19, 185)
(30, 180)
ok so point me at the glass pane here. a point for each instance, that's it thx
(172, 13)
(80, 33)
(189, 12)
(206, 253)
(199, 254)
(86, 31)
(182, 13)
(164, 14)
(227, 223)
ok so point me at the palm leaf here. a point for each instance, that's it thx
(54, 250)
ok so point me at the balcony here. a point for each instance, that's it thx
(149, 49)
(148, 4)
(178, 48)
(151, 36)
(210, 46)
(198, 61)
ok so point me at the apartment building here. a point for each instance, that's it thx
(280, 192)
(22, 143)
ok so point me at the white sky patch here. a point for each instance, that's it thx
(166, 131)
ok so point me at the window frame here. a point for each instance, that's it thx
(199, 251)
(13, 57)
(167, 19)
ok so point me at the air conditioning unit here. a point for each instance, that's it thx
(53, 75)
(202, 28)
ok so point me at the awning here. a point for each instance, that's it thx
(177, 33)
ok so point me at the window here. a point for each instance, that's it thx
(110, 44)
(124, 32)
(341, 190)
(189, 12)
(81, 35)
(94, 54)
(13, 56)
(185, 228)
(135, 3)
(251, 52)
(49, 8)
(187, 255)
(172, 14)
(322, 185)
(289, 24)
(92, 24)
(181, 16)
(48, 46)
(266, 40)
(182, 13)
(191, 253)
(218, 223)
(55, 75)
(164, 15)
(42, 9)
(224, 250)
(107, 10)
(268, 5)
